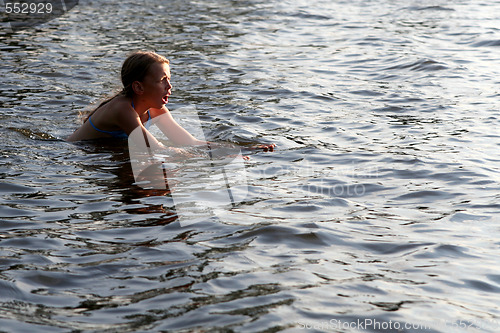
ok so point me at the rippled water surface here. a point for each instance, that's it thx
(380, 205)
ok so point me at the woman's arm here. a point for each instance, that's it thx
(175, 132)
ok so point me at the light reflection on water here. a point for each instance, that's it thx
(380, 203)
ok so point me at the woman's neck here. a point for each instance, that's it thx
(139, 106)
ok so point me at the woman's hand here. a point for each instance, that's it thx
(176, 150)
(265, 147)
(174, 153)
(230, 150)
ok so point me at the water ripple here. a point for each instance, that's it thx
(379, 203)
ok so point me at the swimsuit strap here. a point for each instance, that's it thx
(118, 133)
(148, 122)
(149, 116)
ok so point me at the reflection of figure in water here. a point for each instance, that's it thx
(146, 87)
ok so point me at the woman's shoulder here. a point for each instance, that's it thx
(120, 102)
(118, 106)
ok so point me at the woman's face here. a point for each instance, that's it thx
(157, 85)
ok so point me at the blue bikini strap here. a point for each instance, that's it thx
(149, 114)
(114, 133)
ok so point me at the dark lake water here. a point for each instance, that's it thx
(378, 212)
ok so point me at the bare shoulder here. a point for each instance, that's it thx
(118, 111)
(120, 104)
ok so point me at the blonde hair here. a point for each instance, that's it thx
(134, 68)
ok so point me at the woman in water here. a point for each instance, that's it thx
(146, 86)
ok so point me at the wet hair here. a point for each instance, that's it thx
(134, 68)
